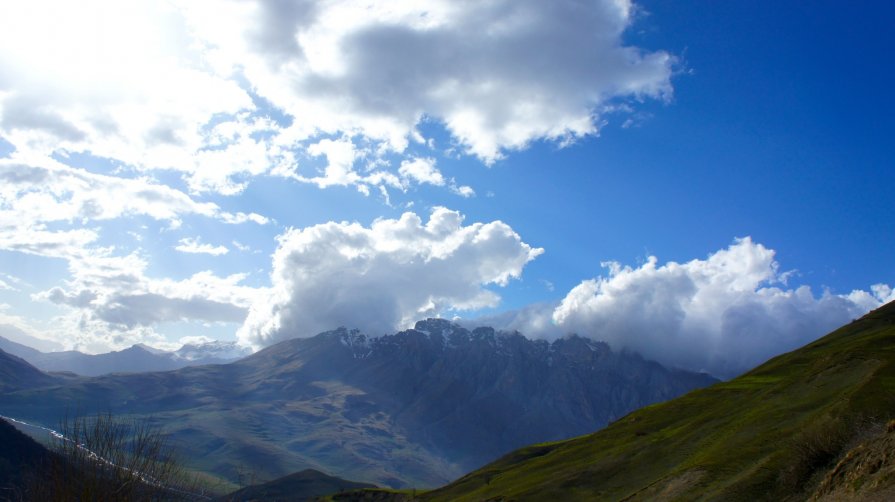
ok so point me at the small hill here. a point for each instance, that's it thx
(305, 485)
(774, 433)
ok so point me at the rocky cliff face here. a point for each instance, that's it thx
(474, 395)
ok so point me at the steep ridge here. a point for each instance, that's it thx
(416, 408)
(16, 374)
(771, 434)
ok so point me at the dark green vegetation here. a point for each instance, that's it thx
(305, 485)
(810, 422)
(414, 409)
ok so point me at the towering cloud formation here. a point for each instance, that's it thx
(723, 314)
(383, 277)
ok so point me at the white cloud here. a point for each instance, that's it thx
(245, 248)
(463, 191)
(421, 170)
(340, 156)
(113, 303)
(26, 237)
(125, 82)
(497, 74)
(383, 277)
(41, 190)
(193, 246)
(724, 314)
(173, 85)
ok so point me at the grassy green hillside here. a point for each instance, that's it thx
(771, 434)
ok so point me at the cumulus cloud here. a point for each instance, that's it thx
(463, 190)
(112, 303)
(190, 87)
(724, 314)
(497, 74)
(422, 170)
(385, 276)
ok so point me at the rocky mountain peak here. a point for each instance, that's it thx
(436, 326)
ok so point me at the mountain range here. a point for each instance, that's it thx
(814, 424)
(417, 408)
(136, 359)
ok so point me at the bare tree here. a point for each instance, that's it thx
(101, 458)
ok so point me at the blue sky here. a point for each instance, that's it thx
(255, 171)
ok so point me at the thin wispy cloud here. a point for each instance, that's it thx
(193, 246)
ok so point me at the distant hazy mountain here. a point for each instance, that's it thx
(15, 334)
(416, 408)
(136, 359)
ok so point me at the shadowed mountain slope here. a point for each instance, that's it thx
(416, 408)
(20, 458)
(771, 434)
(16, 374)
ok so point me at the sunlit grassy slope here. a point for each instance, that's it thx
(768, 435)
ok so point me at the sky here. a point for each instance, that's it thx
(706, 183)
